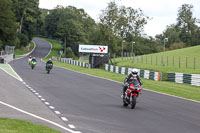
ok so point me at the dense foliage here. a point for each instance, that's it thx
(185, 32)
(19, 21)
(118, 27)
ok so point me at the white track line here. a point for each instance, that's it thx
(47, 103)
(42, 99)
(38, 117)
(19, 78)
(57, 112)
(64, 119)
(51, 107)
(71, 126)
(25, 55)
(122, 83)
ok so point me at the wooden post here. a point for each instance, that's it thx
(167, 60)
(156, 60)
(142, 58)
(186, 62)
(146, 59)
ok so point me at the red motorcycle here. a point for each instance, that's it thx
(132, 93)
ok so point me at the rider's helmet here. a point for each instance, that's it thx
(134, 71)
(49, 59)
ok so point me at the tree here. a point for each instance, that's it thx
(186, 24)
(28, 17)
(51, 21)
(7, 24)
(69, 28)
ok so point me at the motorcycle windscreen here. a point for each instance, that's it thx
(134, 82)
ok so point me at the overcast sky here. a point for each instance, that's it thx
(163, 12)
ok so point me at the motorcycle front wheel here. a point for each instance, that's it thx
(133, 101)
(124, 102)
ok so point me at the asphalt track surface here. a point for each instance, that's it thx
(93, 105)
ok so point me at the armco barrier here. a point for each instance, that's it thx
(73, 62)
(142, 73)
(192, 79)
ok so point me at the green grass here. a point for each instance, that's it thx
(19, 126)
(8, 69)
(181, 90)
(149, 62)
(21, 52)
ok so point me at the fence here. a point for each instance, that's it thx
(72, 62)
(192, 79)
(157, 76)
(177, 62)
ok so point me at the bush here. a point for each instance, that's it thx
(23, 39)
(69, 53)
(177, 46)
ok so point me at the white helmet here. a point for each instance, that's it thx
(134, 71)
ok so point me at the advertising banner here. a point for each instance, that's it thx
(93, 49)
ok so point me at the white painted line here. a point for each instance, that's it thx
(27, 86)
(47, 103)
(173, 96)
(9, 74)
(71, 126)
(24, 82)
(25, 55)
(19, 78)
(57, 112)
(64, 119)
(122, 83)
(42, 99)
(39, 96)
(36, 93)
(38, 117)
(33, 91)
(51, 107)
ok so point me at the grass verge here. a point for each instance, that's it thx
(19, 126)
(185, 60)
(181, 90)
(21, 52)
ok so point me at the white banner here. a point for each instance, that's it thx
(93, 49)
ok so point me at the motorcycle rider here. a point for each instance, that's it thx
(132, 76)
(33, 59)
(29, 59)
(49, 63)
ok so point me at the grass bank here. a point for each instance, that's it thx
(19, 126)
(181, 90)
(186, 60)
(21, 52)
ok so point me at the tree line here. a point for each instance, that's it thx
(118, 26)
(19, 22)
(184, 33)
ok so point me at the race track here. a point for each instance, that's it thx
(93, 105)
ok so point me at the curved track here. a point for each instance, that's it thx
(93, 105)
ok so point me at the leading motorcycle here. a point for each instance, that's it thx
(132, 93)
(33, 64)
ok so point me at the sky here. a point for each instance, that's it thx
(162, 12)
